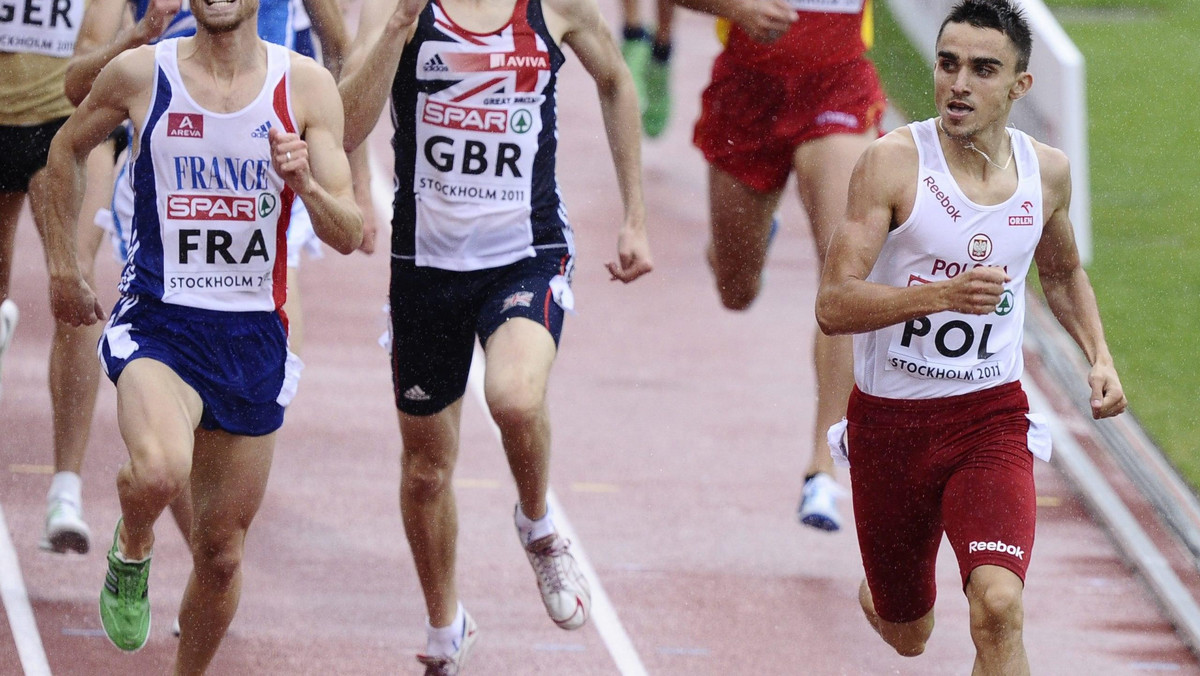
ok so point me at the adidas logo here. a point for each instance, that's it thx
(262, 131)
(436, 65)
(415, 393)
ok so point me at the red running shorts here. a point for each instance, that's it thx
(959, 465)
(751, 123)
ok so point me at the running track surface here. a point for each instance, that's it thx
(681, 434)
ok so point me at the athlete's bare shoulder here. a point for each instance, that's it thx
(1056, 174)
(126, 81)
(313, 90)
(307, 71)
(891, 160)
(136, 63)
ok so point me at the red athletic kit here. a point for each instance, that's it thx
(923, 466)
(765, 100)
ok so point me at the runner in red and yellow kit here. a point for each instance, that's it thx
(793, 92)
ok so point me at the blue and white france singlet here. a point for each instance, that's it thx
(475, 143)
(211, 214)
(950, 353)
(278, 22)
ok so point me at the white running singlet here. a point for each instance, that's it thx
(211, 214)
(950, 353)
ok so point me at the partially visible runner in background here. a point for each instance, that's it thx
(793, 93)
(648, 55)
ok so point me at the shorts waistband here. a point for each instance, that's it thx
(867, 408)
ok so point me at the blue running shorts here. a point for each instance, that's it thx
(238, 362)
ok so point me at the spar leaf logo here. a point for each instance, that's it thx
(1006, 303)
(266, 204)
(521, 121)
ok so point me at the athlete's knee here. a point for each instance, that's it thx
(423, 477)
(517, 408)
(996, 609)
(217, 561)
(154, 477)
(908, 639)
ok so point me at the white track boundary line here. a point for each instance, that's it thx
(16, 605)
(1122, 526)
(604, 614)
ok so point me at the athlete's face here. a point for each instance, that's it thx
(975, 78)
(222, 16)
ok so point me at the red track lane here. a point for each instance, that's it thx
(680, 438)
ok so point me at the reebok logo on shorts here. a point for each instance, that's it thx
(996, 546)
(415, 393)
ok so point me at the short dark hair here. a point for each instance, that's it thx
(1001, 15)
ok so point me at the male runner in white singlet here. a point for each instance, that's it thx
(197, 344)
(944, 219)
(481, 247)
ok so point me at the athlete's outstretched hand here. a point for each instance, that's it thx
(156, 19)
(73, 302)
(406, 13)
(1108, 398)
(765, 21)
(633, 255)
(289, 154)
(977, 291)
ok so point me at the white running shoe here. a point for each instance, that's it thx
(818, 503)
(8, 325)
(65, 528)
(565, 591)
(451, 665)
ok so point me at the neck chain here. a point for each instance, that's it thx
(970, 145)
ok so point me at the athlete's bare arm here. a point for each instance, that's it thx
(384, 27)
(330, 28)
(578, 24)
(315, 166)
(882, 194)
(101, 38)
(1065, 283)
(763, 20)
(57, 192)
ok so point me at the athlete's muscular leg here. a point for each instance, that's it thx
(519, 356)
(823, 167)
(741, 226)
(229, 479)
(997, 619)
(427, 505)
(157, 413)
(906, 638)
(74, 367)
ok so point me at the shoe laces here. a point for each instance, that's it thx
(132, 579)
(546, 560)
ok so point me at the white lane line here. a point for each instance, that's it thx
(16, 605)
(604, 614)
